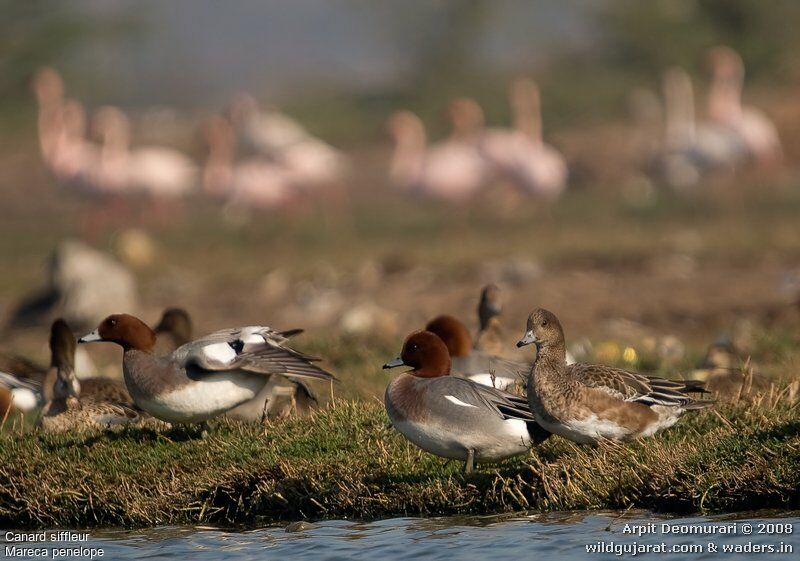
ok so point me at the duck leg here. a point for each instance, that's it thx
(470, 463)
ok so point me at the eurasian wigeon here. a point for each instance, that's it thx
(280, 396)
(476, 365)
(173, 330)
(453, 417)
(32, 387)
(203, 378)
(589, 403)
(727, 375)
(489, 338)
(73, 404)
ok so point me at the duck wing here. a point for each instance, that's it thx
(631, 386)
(466, 393)
(480, 362)
(15, 382)
(256, 349)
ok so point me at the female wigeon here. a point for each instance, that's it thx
(33, 388)
(589, 403)
(280, 396)
(173, 330)
(727, 375)
(73, 404)
(474, 364)
(490, 333)
(203, 378)
(453, 417)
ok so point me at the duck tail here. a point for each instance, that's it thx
(696, 405)
(694, 386)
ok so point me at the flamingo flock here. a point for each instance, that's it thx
(732, 135)
(259, 158)
(474, 156)
(280, 161)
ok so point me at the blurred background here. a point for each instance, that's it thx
(355, 168)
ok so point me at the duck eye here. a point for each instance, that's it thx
(544, 323)
(112, 322)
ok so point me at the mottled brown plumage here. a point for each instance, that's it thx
(588, 403)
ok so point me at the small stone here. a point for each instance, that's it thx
(299, 526)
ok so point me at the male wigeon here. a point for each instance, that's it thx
(589, 403)
(203, 378)
(280, 396)
(476, 365)
(454, 417)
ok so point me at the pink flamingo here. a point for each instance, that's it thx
(276, 136)
(253, 183)
(451, 170)
(520, 154)
(156, 171)
(725, 108)
(691, 149)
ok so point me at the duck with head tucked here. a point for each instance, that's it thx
(475, 364)
(205, 377)
(453, 417)
(590, 403)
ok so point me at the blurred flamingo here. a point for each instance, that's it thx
(520, 154)
(253, 183)
(157, 171)
(725, 108)
(693, 149)
(452, 169)
(276, 136)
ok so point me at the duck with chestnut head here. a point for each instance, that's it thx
(476, 364)
(453, 417)
(205, 377)
(280, 397)
(588, 403)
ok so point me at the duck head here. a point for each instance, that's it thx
(453, 333)
(125, 330)
(543, 329)
(177, 323)
(425, 353)
(491, 304)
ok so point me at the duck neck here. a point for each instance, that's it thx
(550, 369)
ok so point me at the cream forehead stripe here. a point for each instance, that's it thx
(457, 401)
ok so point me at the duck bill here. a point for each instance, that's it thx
(394, 363)
(90, 337)
(527, 339)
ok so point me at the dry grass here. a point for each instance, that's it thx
(348, 462)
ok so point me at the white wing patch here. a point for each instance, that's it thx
(253, 335)
(222, 353)
(23, 399)
(457, 401)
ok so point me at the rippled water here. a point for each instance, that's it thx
(550, 536)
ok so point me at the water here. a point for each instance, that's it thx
(550, 536)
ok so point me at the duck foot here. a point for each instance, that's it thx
(470, 463)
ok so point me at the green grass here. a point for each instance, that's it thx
(347, 462)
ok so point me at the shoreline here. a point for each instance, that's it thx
(347, 462)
